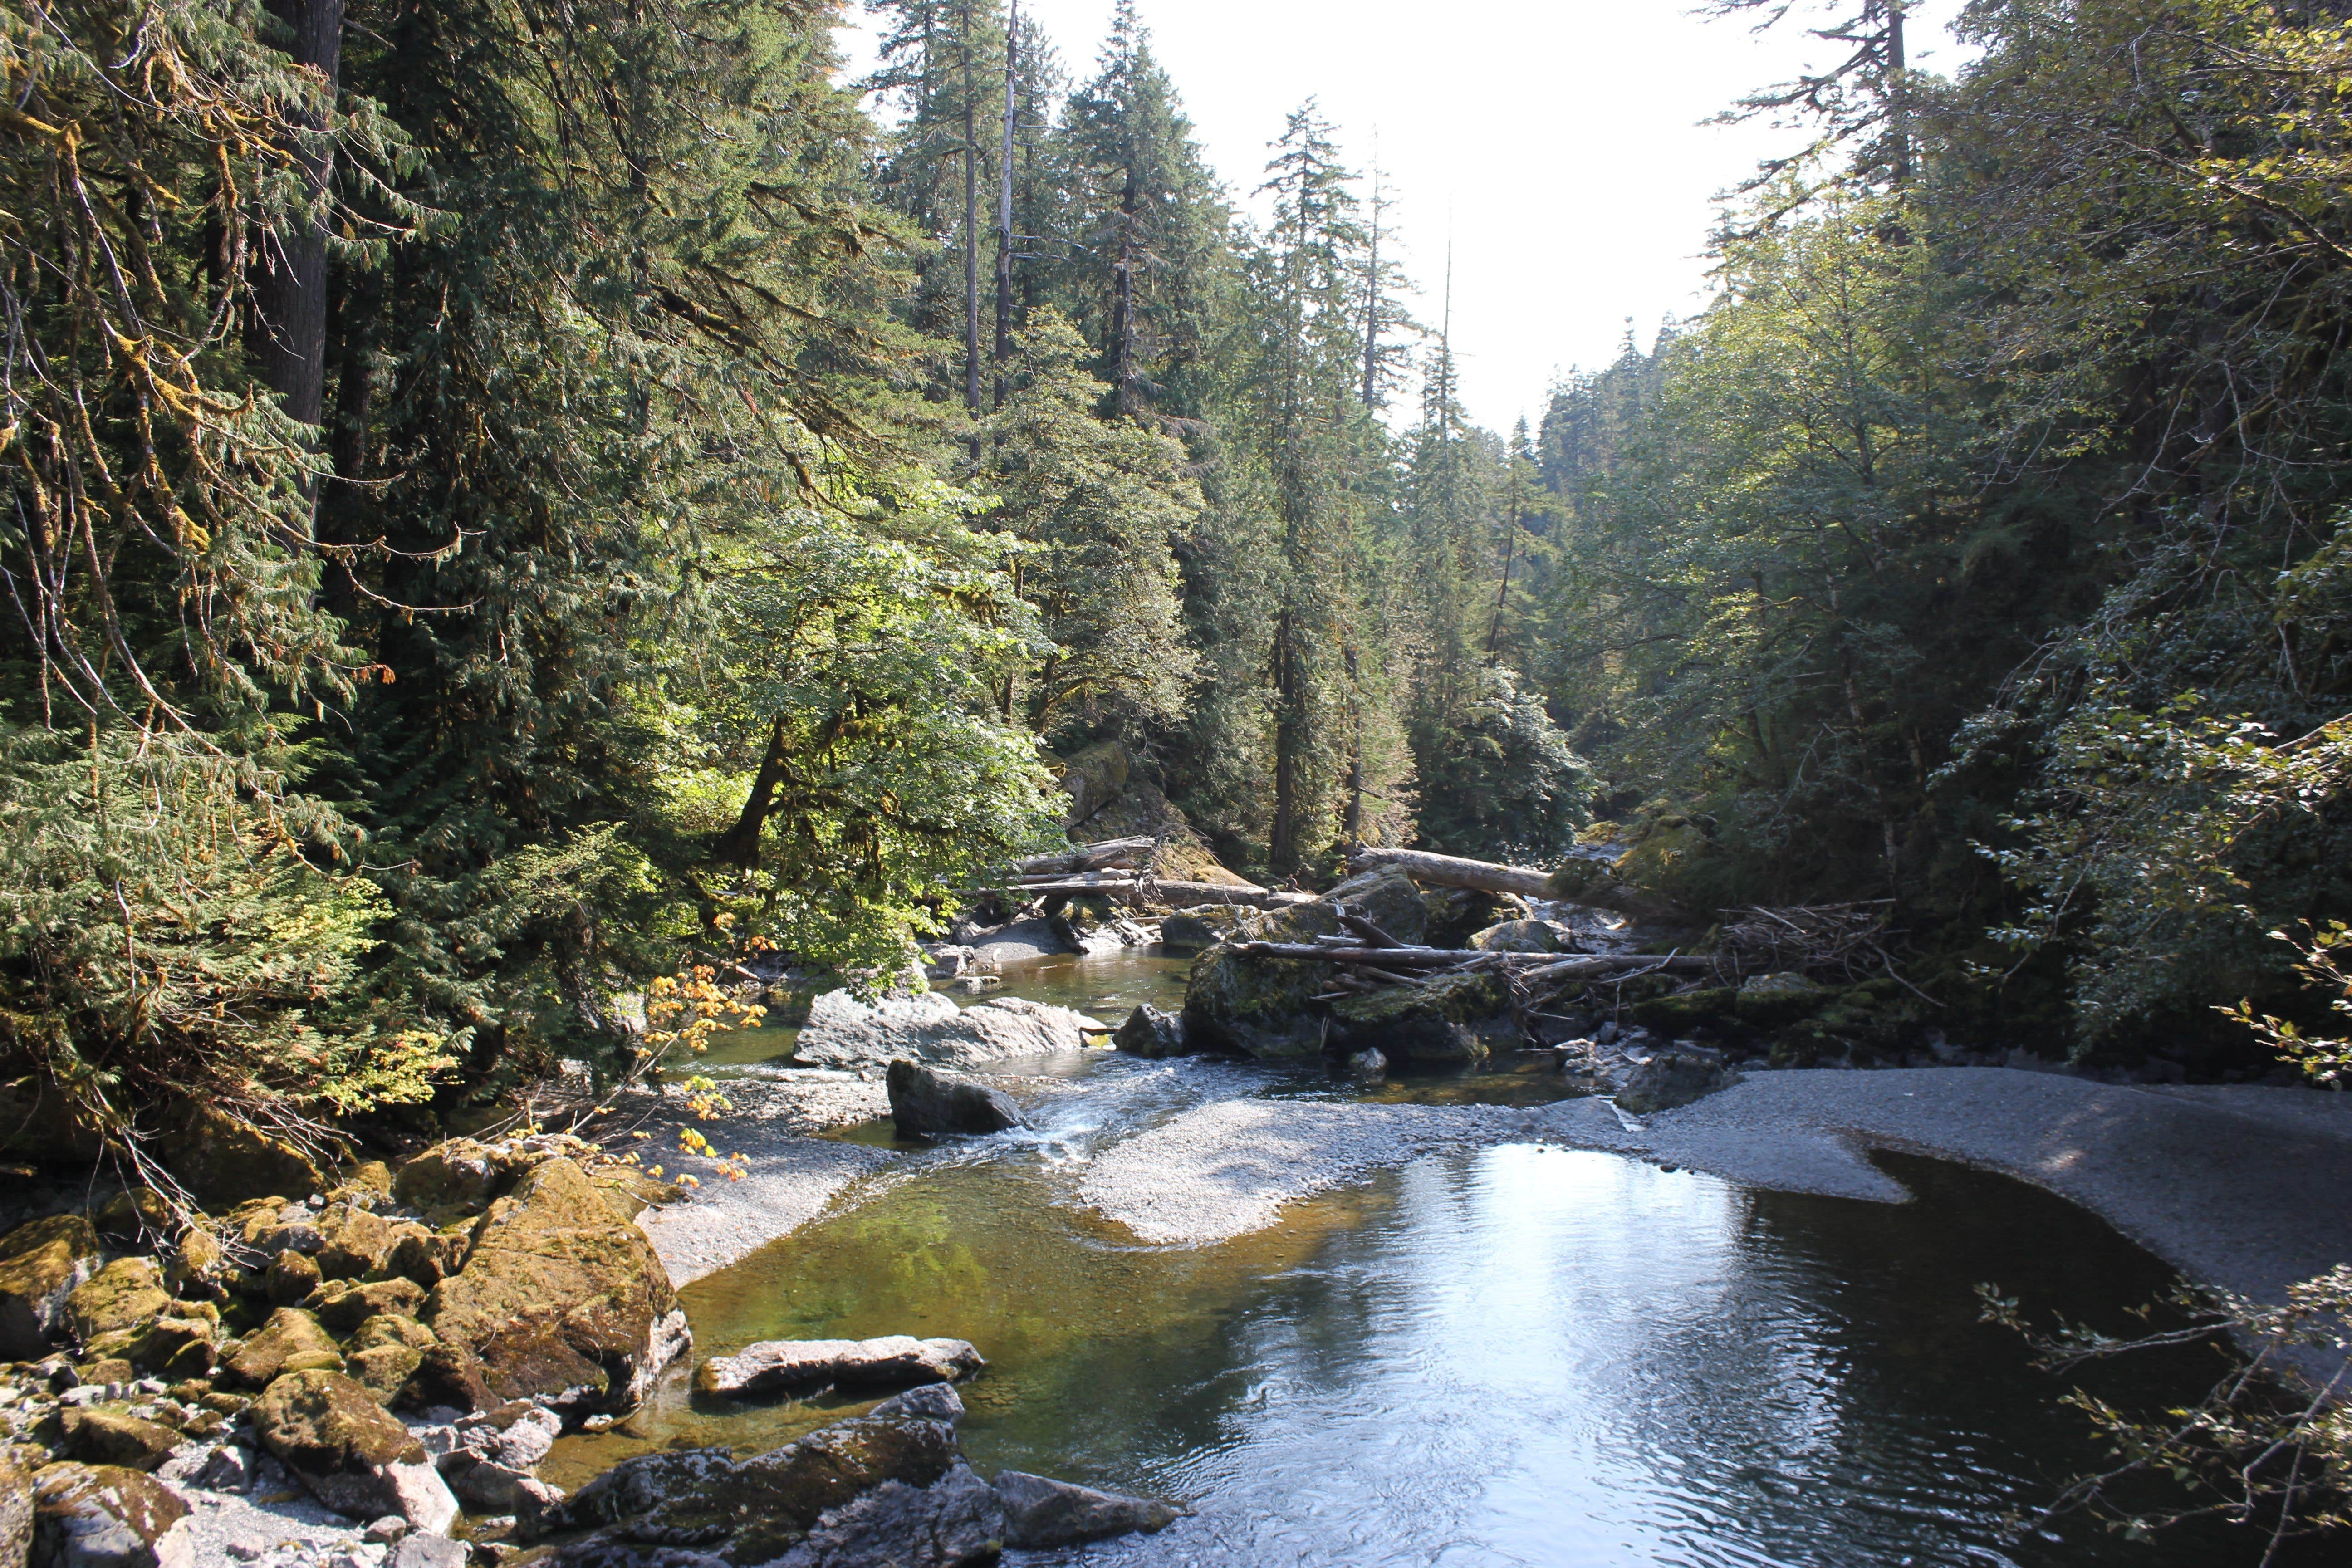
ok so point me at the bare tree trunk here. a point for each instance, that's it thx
(1122, 301)
(290, 286)
(1289, 742)
(971, 231)
(1004, 208)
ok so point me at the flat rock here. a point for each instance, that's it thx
(41, 1265)
(842, 1031)
(1022, 941)
(559, 1300)
(924, 1099)
(1040, 1512)
(775, 1366)
(102, 1516)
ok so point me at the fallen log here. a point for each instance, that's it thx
(1450, 871)
(1548, 965)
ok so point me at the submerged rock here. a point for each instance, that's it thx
(842, 1031)
(41, 1265)
(779, 1366)
(925, 1099)
(1673, 1077)
(1149, 1032)
(559, 1300)
(1040, 1513)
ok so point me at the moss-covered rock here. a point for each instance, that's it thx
(126, 1296)
(343, 1305)
(559, 1299)
(426, 1255)
(1671, 1078)
(179, 1344)
(292, 1277)
(225, 1160)
(357, 1241)
(114, 1438)
(357, 1459)
(1451, 915)
(133, 1213)
(16, 1514)
(41, 1123)
(457, 1173)
(1516, 936)
(1769, 1001)
(87, 1515)
(41, 1266)
(757, 1510)
(1260, 1006)
(1682, 1010)
(200, 1264)
(1199, 928)
(1384, 895)
(292, 1340)
(1445, 1019)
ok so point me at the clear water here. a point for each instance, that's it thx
(1525, 1356)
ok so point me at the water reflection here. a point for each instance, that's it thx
(1529, 1355)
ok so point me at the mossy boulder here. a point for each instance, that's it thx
(1261, 1006)
(114, 1438)
(179, 1344)
(1451, 915)
(291, 1277)
(41, 1123)
(41, 1266)
(16, 1514)
(353, 1456)
(1446, 1018)
(133, 1213)
(87, 1515)
(1516, 936)
(384, 1352)
(292, 1341)
(457, 1173)
(358, 1241)
(559, 1300)
(1199, 928)
(226, 1161)
(342, 1305)
(757, 1510)
(426, 1255)
(1682, 1010)
(1770, 1001)
(125, 1295)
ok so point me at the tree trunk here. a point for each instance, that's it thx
(1005, 208)
(1289, 742)
(740, 845)
(1449, 871)
(1122, 301)
(970, 232)
(290, 286)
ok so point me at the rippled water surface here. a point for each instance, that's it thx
(1525, 1356)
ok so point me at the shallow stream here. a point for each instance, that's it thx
(1528, 1356)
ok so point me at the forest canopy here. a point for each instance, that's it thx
(510, 499)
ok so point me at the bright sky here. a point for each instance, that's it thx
(1563, 142)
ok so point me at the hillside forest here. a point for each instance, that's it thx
(508, 501)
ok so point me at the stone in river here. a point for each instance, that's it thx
(1149, 1032)
(925, 1099)
(1040, 1512)
(1674, 1077)
(776, 1366)
(842, 1031)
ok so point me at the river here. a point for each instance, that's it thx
(1528, 1356)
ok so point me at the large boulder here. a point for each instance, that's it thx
(354, 1457)
(40, 1121)
(457, 1173)
(761, 1508)
(41, 1265)
(1260, 1006)
(1671, 1078)
(225, 1160)
(559, 1300)
(1149, 1032)
(924, 1099)
(785, 1366)
(113, 1438)
(1041, 1513)
(1445, 1019)
(384, 1352)
(102, 1516)
(842, 1031)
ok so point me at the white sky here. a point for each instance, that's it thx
(1562, 139)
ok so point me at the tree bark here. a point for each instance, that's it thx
(970, 232)
(290, 286)
(1005, 210)
(1448, 871)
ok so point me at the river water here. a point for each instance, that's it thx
(1528, 1356)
